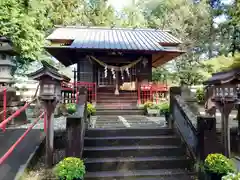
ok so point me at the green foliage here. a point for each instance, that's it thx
(219, 164)
(159, 74)
(147, 105)
(164, 108)
(91, 110)
(236, 62)
(17, 24)
(200, 95)
(70, 168)
(71, 108)
(231, 176)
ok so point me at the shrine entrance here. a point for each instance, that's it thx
(125, 82)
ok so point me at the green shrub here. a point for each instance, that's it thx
(91, 110)
(151, 105)
(231, 176)
(219, 164)
(165, 108)
(147, 105)
(200, 95)
(71, 108)
(70, 168)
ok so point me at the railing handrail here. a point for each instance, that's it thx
(186, 117)
(11, 149)
(189, 123)
(16, 113)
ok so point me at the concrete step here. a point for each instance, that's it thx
(131, 140)
(156, 174)
(128, 132)
(132, 151)
(136, 163)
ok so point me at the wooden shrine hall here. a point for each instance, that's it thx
(114, 62)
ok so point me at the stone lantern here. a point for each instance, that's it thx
(6, 64)
(13, 103)
(225, 95)
(50, 94)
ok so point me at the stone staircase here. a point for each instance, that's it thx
(135, 153)
(128, 121)
(124, 103)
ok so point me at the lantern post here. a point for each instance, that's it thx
(50, 81)
(225, 97)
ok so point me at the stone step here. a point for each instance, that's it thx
(132, 151)
(128, 132)
(120, 97)
(116, 105)
(136, 163)
(109, 126)
(119, 112)
(131, 140)
(115, 100)
(156, 174)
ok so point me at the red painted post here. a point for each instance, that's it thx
(77, 97)
(95, 88)
(139, 95)
(4, 107)
(151, 94)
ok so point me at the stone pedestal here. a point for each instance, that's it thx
(13, 104)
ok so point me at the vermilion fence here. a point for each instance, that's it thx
(71, 87)
(151, 92)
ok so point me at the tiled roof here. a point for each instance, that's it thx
(224, 76)
(116, 38)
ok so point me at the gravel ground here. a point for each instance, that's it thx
(39, 171)
(59, 124)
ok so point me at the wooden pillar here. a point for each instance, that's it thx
(225, 108)
(238, 131)
(78, 71)
(117, 84)
(49, 109)
(74, 85)
(75, 127)
(207, 137)
(173, 92)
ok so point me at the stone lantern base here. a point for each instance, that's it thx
(13, 104)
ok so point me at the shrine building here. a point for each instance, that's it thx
(114, 62)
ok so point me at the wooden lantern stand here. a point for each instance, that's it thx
(225, 106)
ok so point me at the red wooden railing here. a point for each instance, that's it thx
(11, 117)
(148, 91)
(91, 87)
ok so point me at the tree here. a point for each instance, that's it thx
(132, 16)
(234, 14)
(98, 12)
(20, 27)
(190, 22)
(27, 22)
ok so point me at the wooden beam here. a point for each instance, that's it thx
(162, 58)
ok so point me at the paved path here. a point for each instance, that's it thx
(127, 121)
(26, 148)
(20, 155)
